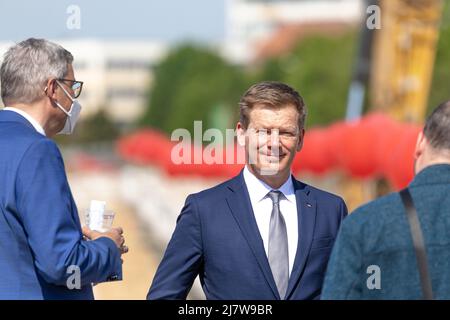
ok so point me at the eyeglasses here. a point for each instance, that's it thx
(76, 86)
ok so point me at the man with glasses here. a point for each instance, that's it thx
(44, 253)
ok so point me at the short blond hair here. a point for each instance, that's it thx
(271, 94)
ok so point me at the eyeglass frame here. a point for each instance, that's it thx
(71, 87)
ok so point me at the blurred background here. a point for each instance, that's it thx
(369, 71)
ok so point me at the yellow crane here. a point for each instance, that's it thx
(404, 52)
(396, 62)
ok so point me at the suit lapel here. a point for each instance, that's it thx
(306, 212)
(241, 209)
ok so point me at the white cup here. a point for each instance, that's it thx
(99, 221)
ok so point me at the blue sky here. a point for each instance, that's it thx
(167, 20)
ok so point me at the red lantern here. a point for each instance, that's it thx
(213, 168)
(388, 133)
(335, 136)
(399, 168)
(145, 146)
(357, 152)
(314, 156)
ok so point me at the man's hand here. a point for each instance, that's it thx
(115, 234)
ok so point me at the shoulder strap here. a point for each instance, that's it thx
(419, 245)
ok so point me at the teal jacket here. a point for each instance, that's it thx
(373, 256)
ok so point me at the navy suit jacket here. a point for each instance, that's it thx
(217, 238)
(40, 232)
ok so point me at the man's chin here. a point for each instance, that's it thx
(269, 169)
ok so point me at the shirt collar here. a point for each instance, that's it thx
(30, 119)
(258, 189)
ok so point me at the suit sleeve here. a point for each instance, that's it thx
(45, 205)
(343, 276)
(183, 257)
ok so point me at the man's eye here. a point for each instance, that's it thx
(287, 134)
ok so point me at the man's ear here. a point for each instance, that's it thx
(240, 132)
(420, 145)
(50, 88)
(301, 136)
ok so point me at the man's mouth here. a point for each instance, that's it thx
(273, 157)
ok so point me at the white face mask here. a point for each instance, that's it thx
(72, 116)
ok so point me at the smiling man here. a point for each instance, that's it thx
(262, 234)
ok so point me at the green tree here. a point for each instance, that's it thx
(96, 128)
(320, 69)
(189, 85)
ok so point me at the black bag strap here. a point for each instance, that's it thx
(419, 245)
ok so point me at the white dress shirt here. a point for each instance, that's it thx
(262, 207)
(30, 119)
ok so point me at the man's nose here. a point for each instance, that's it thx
(273, 139)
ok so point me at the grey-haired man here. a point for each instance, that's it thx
(41, 240)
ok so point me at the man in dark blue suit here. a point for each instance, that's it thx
(374, 257)
(262, 234)
(43, 254)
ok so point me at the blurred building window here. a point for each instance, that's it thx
(128, 64)
(80, 65)
(113, 93)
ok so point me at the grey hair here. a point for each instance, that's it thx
(437, 128)
(27, 66)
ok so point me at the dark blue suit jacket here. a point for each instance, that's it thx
(217, 237)
(40, 232)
